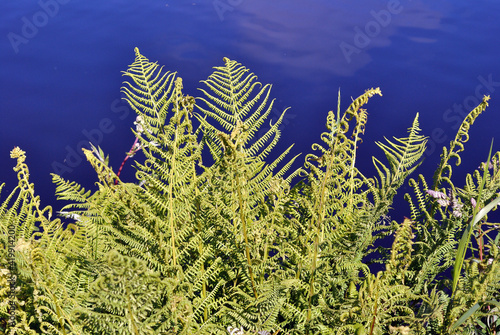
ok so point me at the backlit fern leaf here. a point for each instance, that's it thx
(233, 97)
(420, 210)
(70, 191)
(401, 251)
(402, 158)
(151, 94)
(443, 172)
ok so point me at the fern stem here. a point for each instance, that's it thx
(131, 152)
(58, 309)
(317, 225)
(266, 251)
(171, 199)
(373, 321)
(245, 236)
(375, 309)
(130, 312)
(200, 251)
(311, 281)
(266, 248)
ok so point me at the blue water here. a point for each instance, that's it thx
(60, 64)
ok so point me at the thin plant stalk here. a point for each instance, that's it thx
(129, 154)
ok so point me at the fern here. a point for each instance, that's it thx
(232, 244)
(444, 171)
(403, 159)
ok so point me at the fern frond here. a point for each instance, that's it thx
(402, 158)
(150, 96)
(401, 251)
(443, 172)
(233, 97)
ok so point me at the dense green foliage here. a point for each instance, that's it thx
(197, 247)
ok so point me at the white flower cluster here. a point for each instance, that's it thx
(449, 200)
(241, 331)
(139, 124)
(139, 128)
(69, 215)
(235, 331)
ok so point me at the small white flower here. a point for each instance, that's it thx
(138, 124)
(443, 202)
(235, 331)
(490, 165)
(457, 208)
(22, 245)
(437, 194)
(69, 215)
(456, 213)
(154, 144)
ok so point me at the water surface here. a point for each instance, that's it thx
(61, 64)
